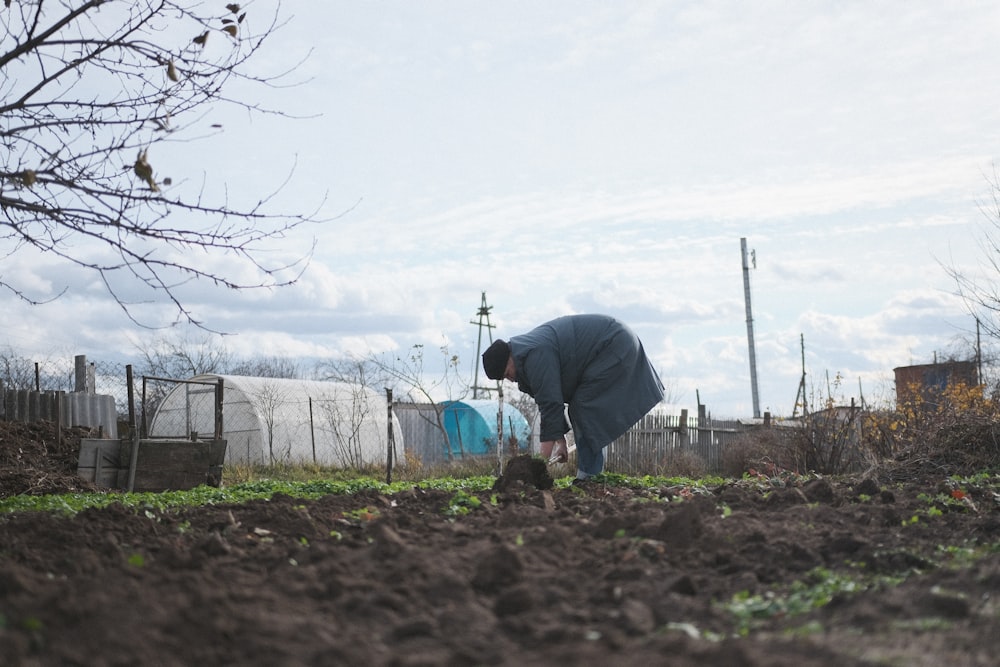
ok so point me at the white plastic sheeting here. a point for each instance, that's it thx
(270, 420)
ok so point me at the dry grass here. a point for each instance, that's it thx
(408, 470)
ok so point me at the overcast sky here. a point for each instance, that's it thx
(574, 156)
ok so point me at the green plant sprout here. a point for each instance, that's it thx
(802, 596)
(461, 504)
(362, 514)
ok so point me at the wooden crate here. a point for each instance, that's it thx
(161, 465)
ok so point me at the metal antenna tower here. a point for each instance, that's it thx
(750, 343)
(483, 323)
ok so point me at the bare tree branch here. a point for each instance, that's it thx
(87, 93)
(981, 291)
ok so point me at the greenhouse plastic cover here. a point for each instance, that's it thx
(273, 420)
(472, 426)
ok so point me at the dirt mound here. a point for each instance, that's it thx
(524, 471)
(34, 461)
(597, 574)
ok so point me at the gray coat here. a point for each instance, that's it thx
(593, 363)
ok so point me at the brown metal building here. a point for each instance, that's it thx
(930, 380)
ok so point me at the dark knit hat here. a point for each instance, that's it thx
(495, 359)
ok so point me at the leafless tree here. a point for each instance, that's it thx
(981, 291)
(267, 400)
(19, 372)
(16, 372)
(355, 371)
(265, 367)
(91, 95)
(408, 372)
(181, 358)
(405, 375)
(345, 418)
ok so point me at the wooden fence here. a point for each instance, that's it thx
(659, 444)
(668, 444)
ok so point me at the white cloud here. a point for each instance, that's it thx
(574, 156)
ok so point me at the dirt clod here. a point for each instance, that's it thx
(524, 470)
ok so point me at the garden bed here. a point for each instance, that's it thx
(780, 570)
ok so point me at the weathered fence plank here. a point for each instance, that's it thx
(160, 465)
(660, 442)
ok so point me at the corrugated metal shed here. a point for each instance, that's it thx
(928, 379)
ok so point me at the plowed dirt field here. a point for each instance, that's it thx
(758, 571)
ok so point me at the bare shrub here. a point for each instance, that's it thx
(765, 449)
(955, 430)
(684, 463)
(829, 442)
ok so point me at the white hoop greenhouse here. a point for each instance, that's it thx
(272, 420)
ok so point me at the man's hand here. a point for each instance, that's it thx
(554, 450)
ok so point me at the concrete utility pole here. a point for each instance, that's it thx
(482, 323)
(750, 343)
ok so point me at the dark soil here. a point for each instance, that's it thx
(586, 575)
(34, 461)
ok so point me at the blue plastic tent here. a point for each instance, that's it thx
(472, 426)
